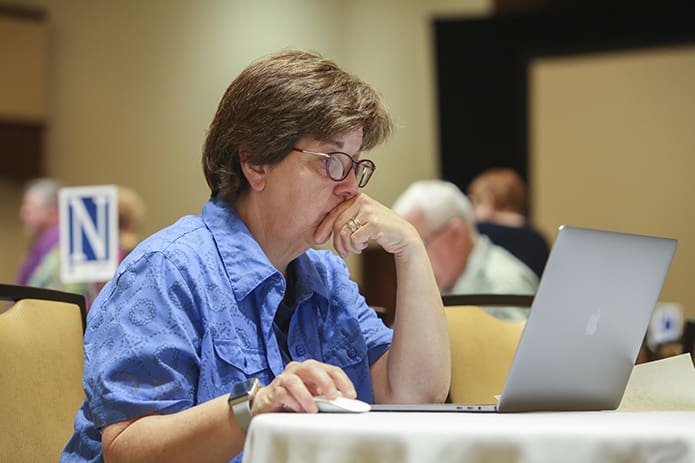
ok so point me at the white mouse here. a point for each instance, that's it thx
(341, 405)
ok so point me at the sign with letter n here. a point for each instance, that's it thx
(88, 219)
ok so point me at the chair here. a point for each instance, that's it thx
(482, 346)
(41, 355)
(688, 338)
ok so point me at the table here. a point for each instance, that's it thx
(398, 437)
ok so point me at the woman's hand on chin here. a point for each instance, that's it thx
(358, 220)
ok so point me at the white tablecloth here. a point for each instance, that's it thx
(568, 437)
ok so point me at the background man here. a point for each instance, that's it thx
(463, 260)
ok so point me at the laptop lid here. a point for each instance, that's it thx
(586, 324)
(587, 321)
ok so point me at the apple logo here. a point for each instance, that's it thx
(592, 323)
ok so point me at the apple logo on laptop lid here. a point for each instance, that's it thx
(592, 323)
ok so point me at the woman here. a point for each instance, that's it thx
(237, 292)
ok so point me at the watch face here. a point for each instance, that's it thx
(243, 388)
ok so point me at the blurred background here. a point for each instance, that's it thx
(593, 104)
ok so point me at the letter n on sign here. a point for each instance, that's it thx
(88, 219)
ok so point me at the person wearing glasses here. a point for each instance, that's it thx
(464, 261)
(233, 313)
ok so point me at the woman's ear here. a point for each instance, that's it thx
(255, 173)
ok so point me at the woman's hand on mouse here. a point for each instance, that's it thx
(295, 388)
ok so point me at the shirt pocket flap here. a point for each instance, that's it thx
(250, 362)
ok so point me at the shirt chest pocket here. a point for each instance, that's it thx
(345, 346)
(235, 363)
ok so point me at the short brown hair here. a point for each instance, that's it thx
(278, 100)
(504, 186)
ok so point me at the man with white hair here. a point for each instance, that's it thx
(464, 261)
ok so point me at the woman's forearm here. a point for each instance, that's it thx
(206, 432)
(419, 361)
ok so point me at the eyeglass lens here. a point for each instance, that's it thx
(339, 166)
(364, 173)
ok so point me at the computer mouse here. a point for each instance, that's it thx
(341, 405)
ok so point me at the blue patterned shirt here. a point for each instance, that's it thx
(190, 312)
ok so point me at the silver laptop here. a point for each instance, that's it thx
(585, 327)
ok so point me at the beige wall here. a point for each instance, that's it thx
(132, 86)
(23, 75)
(612, 147)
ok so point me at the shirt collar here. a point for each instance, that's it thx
(246, 264)
(309, 280)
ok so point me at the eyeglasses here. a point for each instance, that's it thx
(339, 165)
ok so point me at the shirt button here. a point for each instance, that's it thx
(300, 350)
(352, 353)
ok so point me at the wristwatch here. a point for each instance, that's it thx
(240, 401)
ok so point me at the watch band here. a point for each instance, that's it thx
(240, 401)
(242, 414)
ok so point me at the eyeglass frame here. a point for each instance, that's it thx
(354, 166)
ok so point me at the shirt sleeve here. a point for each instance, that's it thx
(142, 343)
(376, 352)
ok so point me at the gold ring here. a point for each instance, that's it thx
(354, 224)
